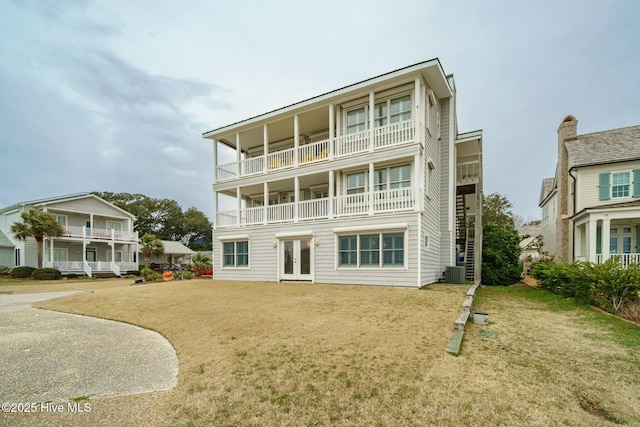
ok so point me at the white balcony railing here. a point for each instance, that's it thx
(98, 233)
(89, 268)
(468, 172)
(395, 200)
(625, 259)
(341, 146)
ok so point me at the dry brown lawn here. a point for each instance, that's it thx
(303, 354)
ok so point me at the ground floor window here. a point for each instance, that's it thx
(371, 250)
(235, 254)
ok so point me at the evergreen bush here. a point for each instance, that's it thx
(46, 274)
(22, 272)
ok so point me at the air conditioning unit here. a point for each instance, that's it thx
(454, 275)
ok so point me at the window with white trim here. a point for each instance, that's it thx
(62, 219)
(390, 110)
(372, 250)
(114, 225)
(620, 183)
(60, 254)
(235, 254)
(117, 254)
(356, 183)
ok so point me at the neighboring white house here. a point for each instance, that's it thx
(176, 255)
(355, 186)
(98, 236)
(591, 209)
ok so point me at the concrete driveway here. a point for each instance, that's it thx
(48, 356)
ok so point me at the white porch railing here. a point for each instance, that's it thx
(395, 200)
(312, 153)
(468, 172)
(90, 267)
(98, 233)
(625, 259)
(313, 209)
(280, 213)
(394, 134)
(340, 146)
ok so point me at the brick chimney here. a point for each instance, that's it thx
(567, 130)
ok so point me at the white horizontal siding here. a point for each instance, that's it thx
(88, 205)
(263, 257)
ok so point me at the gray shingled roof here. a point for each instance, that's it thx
(608, 146)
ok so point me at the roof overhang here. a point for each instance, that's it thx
(430, 70)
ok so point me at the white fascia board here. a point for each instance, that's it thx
(234, 237)
(363, 228)
(291, 235)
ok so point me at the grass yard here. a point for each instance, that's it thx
(303, 354)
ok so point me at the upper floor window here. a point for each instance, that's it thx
(355, 183)
(391, 110)
(620, 185)
(62, 220)
(617, 185)
(356, 120)
(114, 225)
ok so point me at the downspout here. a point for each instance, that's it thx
(573, 226)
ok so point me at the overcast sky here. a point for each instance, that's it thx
(115, 95)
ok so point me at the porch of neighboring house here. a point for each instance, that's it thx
(599, 236)
(92, 251)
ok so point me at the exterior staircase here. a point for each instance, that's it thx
(469, 258)
(461, 220)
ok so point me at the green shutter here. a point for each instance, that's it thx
(605, 192)
(598, 241)
(636, 183)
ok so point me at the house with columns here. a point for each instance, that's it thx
(97, 238)
(367, 184)
(591, 208)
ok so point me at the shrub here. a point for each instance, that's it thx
(500, 255)
(182, 275)
(46, 274)
(4, 270)
(22, 272)
(614, 286)
(608, 285)
(150, 276)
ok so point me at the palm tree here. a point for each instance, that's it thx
(150, 245)
(200, 262)
(36, 224)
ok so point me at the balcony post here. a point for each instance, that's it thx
(265, 203)
(296, 140)
(331, 194)
(371, 186)
(332, 132)
(215, 161)
(215, 209)
(238, 205)
(265, 147)
(417, 134)
(418, 166)
(606, 242)
(296, 186)
(238, 156)
(372, 107)
(591, 236)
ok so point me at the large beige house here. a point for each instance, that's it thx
(367, 184)
(591, 208)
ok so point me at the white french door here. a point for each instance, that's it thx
(296, 259)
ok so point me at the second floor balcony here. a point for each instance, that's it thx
(369, 140)
(83, 232)
(360, 204)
